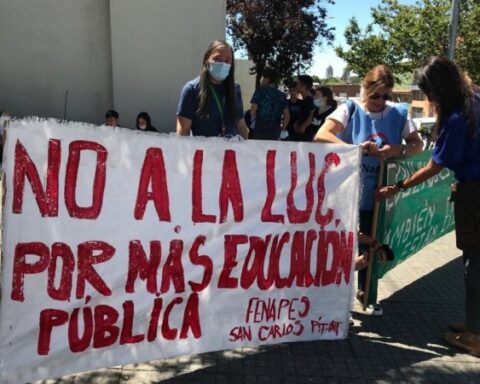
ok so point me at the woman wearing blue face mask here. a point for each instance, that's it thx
(211, 104)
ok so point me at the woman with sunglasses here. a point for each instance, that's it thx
(384, 130)
(457, 147)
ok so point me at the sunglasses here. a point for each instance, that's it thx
(376, 96)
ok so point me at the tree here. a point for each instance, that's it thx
(404, 36)
(366, 49)
(468, 40)
(332, 81)
(279, 33)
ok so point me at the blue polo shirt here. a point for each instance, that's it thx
(456, 149)
(210, 125)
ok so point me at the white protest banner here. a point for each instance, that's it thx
(123, 247)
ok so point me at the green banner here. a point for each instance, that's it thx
(410, 220)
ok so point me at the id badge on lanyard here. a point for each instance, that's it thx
(221, 108)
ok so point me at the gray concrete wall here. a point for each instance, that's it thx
(129, 55)
(158, 45)
(246, 80)
(50, 46)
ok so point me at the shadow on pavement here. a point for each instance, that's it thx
(405, 345)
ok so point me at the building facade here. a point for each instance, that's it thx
(345, 90)
(76, 59)
(421, 107)
(246, 80)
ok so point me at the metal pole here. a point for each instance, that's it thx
(453, 29)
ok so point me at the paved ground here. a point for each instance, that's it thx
(419, 297)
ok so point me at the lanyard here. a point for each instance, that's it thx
(220, 107)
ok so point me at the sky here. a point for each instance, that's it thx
(339, 15)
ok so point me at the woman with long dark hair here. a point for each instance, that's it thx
(211, 104)
(457, 148)
(144, 123)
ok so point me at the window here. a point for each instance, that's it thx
(418, 95)
(417, 112)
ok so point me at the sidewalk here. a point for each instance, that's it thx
(419, 298)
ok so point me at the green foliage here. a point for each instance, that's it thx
(404, 36)
(468, 42)
(333, 81)
(279, 33)
(366, 49)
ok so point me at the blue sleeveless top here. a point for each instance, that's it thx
(386, 130)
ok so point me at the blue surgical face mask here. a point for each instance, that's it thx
(219, 71)
(318, 103)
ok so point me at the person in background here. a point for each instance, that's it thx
(144, 123)
(269, 109)
(294, 109)
(249, 123)
(211, 104)
(380, 127)
(325, 104)
(457, 104)
(111, 118)
(298, 130)
(378, 250)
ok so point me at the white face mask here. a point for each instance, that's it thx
(283, 134)
(142, 126)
